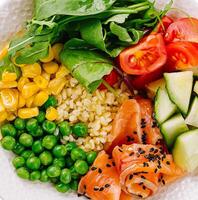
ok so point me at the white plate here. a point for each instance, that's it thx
(13, 13)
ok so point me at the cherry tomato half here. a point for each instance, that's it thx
(149, 55)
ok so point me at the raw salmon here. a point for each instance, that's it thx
(102, 181)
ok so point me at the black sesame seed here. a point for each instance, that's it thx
(155, 171)
(80, 195)
(93, 168)
(101, 189)
(139, 195)
(120, 150)
(131, 176)
(144, 187)
(107, 185)
(156, 151)
(113, 163)
(110, 157)
(108, 165)
(163, 182)
(99, 170)
(96, 188)
(143, 126)
(152, 149)
(87, 197)
(167, 162)
(131, 154)
(135, 132)
(143, 177)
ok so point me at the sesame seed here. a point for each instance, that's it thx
(99, 170)
(120, 150)
(101, 189)
(168, 162)
(152, 149)
(155, 171)
(107, 185)
(163, 182)
(113, 163)
(93, 168)
(139, 195)
(96, 188)
(108, 165)
(131, 154)
(135, 132)
(144, 187)
(143, 177)
(131, 176)
(156, 151)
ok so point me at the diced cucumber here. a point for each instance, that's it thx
(196, 87)
(185, 151)
(179, 87)
(164, 107)
(172, 128)
(192, 118)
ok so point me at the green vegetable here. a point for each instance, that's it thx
(26, 140)
(35, 175)
(37, 147)
(81, 167)
(44, 177)
(65, 176)
(74, 173)
(18, 162)
(41, 117)
(8, 143)
(37, 133)
(65, 128)
(19, 123)
(60, 162)
(18, 148)
(49, 141)
(80, 129)
(49, 126)
(33, 163)
(59, 151)
(78, 154)
(63, 188)
(91, 156)
(70, 146)
(32, 125)
(51, 102)
(23, 173)
(74, 185)
(54, 180)
(27, 154)
(69, 162)
(53, 171)
(46, 158)
(8, 130)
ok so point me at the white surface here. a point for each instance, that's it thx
(12, 14)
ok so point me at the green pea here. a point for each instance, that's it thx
(80, 130)
(69, 162)
(27, 154)
(65, 128)
(81, 167)
(49, 141)
(75, 175)
(8, 130)
(91, 156)
(19, 123)
(18, 162)
(78, 154)
(59, 151)
(32, 125)
(37, 133)
(44, 177)
(8, 143)
(23, 173)
(37, 147)
(74, 185)
(63, 188)
(41, 117)
(46, 158)
(33, 163)
(70, 146)
(49, 126)
(60, 162)
(55, 180)
(35, 175)
(26, 140)
(18, 148)
(53, 171)
(65, 176)
(51, 102)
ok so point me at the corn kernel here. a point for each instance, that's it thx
(41, 82)
(50, 56)
(57, 48)
(56, 85)
(3, 116)
(21, 101)
(62, 72)
(46, 76)
(9, 99)
(4, 85)
(51, 67)
(29, 101)
(9, 76)
(26, 113)
(2, 108)
(51, 114)
(11, 117)
(40, 98)
(4, 52)
(31, 71)
(22, 81)
(29, 89)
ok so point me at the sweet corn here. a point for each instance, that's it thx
(31, 71)
(4, 52)
(50, 56)
(11, 117)
(41, 82)
(9, 99)
(2, 108)
(50, 67)
(3, 116)
(21, 101)
(29, 101)
(26, 113)
(4, 85)
(62, 72)
(22, 81)
(56, 85)
(40, 98)
(57, 48)
(51, 114)
(46, 76)
(29, 89)
(9, 76)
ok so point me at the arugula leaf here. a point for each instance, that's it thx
(47, 8)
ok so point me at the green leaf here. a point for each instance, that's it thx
(47, 8)
(120, 19)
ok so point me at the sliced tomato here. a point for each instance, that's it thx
(139, 82)
(111, 79)
(163, 25)
(149, 55)
(182, 56)
(184, 29)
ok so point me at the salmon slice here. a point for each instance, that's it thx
(102, 181)
(143, 168)
(126, 126)
(125, 196)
